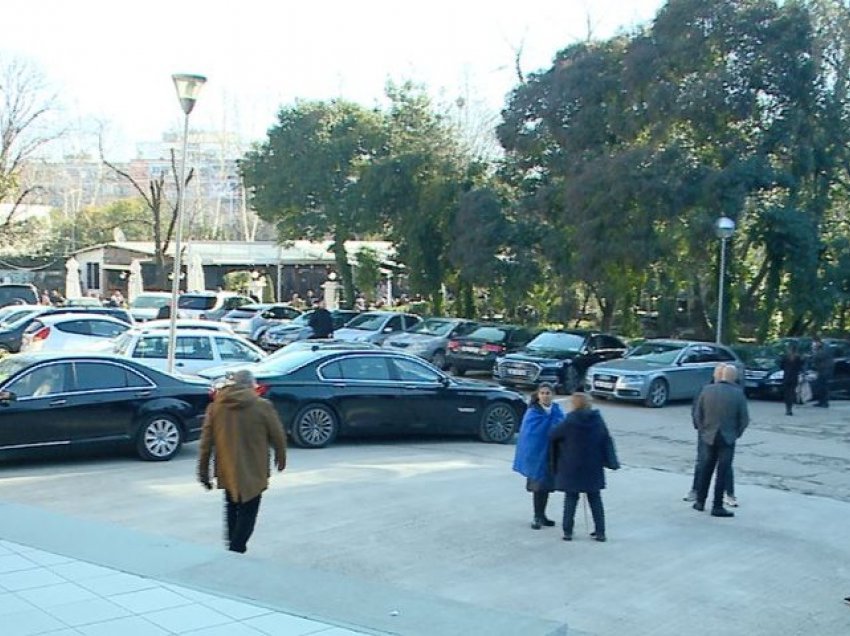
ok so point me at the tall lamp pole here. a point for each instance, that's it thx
(188, 87)
(724, 228)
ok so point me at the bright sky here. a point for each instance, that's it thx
(111, 61)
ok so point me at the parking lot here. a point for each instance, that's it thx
(448, 518)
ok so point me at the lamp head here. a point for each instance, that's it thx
(188, 87)
(724, 227)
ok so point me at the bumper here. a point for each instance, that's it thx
(476, 363)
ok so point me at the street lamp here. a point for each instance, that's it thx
(724, 228)
(188, 87)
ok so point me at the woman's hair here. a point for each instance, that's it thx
(534, 400)
(580, 400)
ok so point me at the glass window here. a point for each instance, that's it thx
(191, 301)
(135, 380)
(104, 329)
(232, 349)
(412, 371)
(40, 382)
(98, 376)
(332, 371)
(656, 352)
(555, 341)
(193, 348)
(463, 329)
(365, 368)
(490, 334)
(284, 313)
(235, 301)
(367, 322)
(10, 365)
(152, 347)
(411, 321)
(719, 354)
(79, 327)
(395, 324)
(609, 342)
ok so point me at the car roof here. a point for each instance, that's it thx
(73, 315)
(42, 356)
(678, 342)
(200, 331)
(186, 323)
(158, 294)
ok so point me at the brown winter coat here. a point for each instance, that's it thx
(241, 427)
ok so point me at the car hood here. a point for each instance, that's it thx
(525, 355)
(357, 335)
(628, 365)
(408, 338)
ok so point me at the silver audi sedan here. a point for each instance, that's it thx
(657, 371)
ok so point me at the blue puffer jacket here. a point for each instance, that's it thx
(532, 447)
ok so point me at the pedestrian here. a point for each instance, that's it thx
(729, 495)
(823, 362)
(321, 322)
(792, 365)
(239, 429)
(720, 416)
(531, 458)
(582, 448)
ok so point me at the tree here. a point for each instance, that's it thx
(368, 272)
(97, 224)
(305, 178)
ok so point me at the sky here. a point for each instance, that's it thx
(110, 62)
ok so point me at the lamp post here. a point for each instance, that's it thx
(188, 87)
(724, 228)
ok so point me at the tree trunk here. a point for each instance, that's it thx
(345, 273)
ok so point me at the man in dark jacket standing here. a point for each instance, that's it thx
(823, 363)
(720, 416)
(321, 322)
(240, 427)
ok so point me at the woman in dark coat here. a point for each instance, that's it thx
(532, 450)
(581, 449)
(792, 365)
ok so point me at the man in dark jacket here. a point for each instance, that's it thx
(240, 427)
(720, 416)
(823, 363)
(321, 322)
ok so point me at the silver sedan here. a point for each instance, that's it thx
(657, 371)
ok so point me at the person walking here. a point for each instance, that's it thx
(823, 363)
(239, 428)
(792, 366)
(531, 458)
(582, 448)
(321, 322)
(721, 417)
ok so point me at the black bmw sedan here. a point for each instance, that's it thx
(324, 393)
(54, 400)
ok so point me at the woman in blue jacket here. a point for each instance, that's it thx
(582, 449)
(532, 450)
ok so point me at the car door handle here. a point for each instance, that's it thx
(142, 393)
(58, 402)
(178, 364)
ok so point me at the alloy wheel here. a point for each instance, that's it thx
(498, 424)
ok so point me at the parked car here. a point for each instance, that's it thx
(209, 305)
(15, 293)
(479, 349)
(657, 371)
(327, 393)
(146, 305)
(13, 313)
(113, 312)
(277, 336)
(558, 357)
(251, 320)
(196, 349)
(376, 326)
(429, 339)
(70, 332)
(82, 301)
(187, 323)
(50, 401)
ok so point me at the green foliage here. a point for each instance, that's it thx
(237, 281)
(367, 275)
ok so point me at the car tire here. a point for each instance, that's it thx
(458, 371)
(658, 394)
(439, 360)
(160, 438)
(571, 381)
(499, 424)
(315, 426)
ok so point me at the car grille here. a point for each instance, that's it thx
(603, 382)
(750, 374)
(525, 371)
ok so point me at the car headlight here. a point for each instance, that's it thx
(630, 380)
(776, 375)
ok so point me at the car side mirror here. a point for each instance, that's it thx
(445, 380)
(388, 329)
(7, 397)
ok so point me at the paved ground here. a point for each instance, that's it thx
(446, 521)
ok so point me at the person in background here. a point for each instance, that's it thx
(792, 366)
(531, 458)
(823, 363)
(240, 428)
(582, 449)
(321, 322)
(45, 298)
(721, 417)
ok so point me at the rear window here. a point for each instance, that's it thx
(490, 334)
(11, 293)
(189, 301)
(244, 312)
(149, 302)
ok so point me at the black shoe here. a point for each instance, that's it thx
(568, 537)
(699, 505)
(598, 537)
(721, 512)
(535, 525)
(847, 599)
(788, 413)
(547, 522)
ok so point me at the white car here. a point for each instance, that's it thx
(197, 349)
(71, 332)
(146, 305)
(209, 305)
(188, 323)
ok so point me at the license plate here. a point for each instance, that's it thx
(516, 372)
(599, 384)
(469, 349)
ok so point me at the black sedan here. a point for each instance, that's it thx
(558, 357)
(52, 400)
(327, 393)
(479, 349)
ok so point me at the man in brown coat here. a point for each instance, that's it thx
(241, 427)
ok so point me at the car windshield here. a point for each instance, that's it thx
(762, 358)
(433, 327)
(189, 301)
(656, 352)
(282, 364)
(10, 366)
(303, 320)
(122, 342)
(490, 334)
(367, 322)
(552, 341)
(149, 302)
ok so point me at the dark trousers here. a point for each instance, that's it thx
(730, 475)
(240, 518)
(540, 499)
(789, 394)
(596, 509)
(820, 389)
(718, 455)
